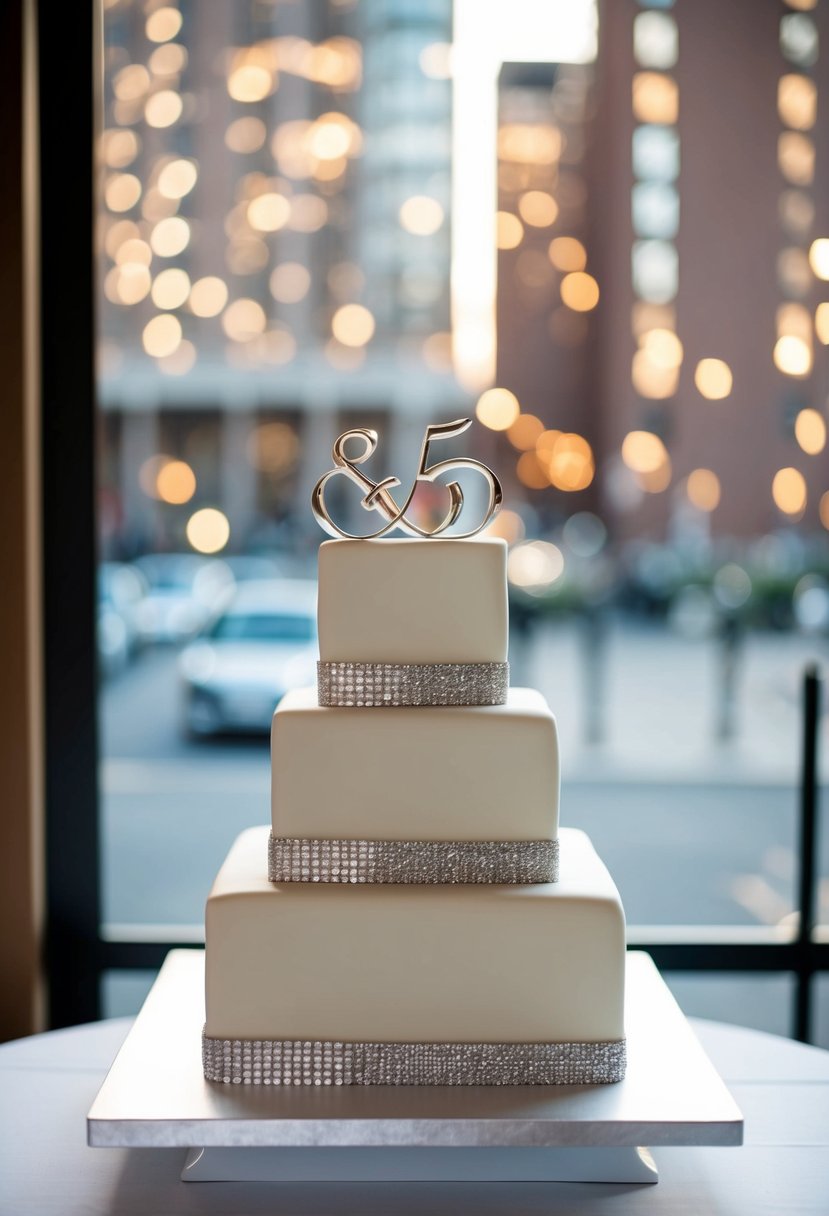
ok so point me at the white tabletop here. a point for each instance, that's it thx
(48, 1082)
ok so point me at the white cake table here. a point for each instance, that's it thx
(48, 1082)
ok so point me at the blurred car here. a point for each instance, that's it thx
(184, 593)
(121, 589)
(262, 644)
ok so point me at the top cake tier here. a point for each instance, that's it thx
(413, 601)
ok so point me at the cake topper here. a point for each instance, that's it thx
(377, 495)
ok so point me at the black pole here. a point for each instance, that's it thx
(807, 876)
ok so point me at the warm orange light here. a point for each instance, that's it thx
(177, 178)
(713, 379)
(133, 250)
(566, 253)
(171, 288)
(119, 148)
(810, 431)
(571, 466)
(169, 237)
(643, 452)
(538, 209)
(532, 472)
(819, 257)
(823, 510)
(163, 109)
(524, 432)
(703, 489)
(437, 352)
(132, 282)
(797, 101)
(273, 447)
(788, 489)
(250, 82)
(663, 347)
(508, 525)
(509, 230)
(131, 82)
(309, 213)
(822, 323)
(535, 565)
(268, 212)
(651, 379)
(657, 480)
(655, 98)
(163, 24)
(246, 135)
(122, 192)
(176, 482)
(796, 158)
(421, 215)
(208, 530)
(497, 409)
(208, 296)
(792, 356)
(290, 282)
(529, 143)
(794, 319)
(579, 291)
(168, 60)
(243, 320)
(545, 443)
(161, 335)
(353, 325)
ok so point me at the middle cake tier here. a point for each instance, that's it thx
(465, 773)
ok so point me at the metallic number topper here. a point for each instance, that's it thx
(377, 496)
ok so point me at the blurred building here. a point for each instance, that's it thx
(275, 238)
(688, 364)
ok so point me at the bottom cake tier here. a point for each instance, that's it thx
(313, 983)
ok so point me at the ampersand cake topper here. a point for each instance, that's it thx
(377, 494)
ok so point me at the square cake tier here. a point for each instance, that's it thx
(413, 601)
(441, 964)
(461, 773)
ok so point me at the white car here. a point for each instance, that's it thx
(262, 644)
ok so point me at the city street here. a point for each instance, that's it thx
(694, 831)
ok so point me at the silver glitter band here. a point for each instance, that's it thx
(386, 684)
(412, 861)
(297, 1062)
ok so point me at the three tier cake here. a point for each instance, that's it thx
(413, 916)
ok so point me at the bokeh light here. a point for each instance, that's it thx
(535, 565)
(643, 452)
(208, 530)
(268, 212)
(538, 209)
(122, 192)
(788, 489)
(169, 237)
(792, 355)
(532, 472)
(177, 178)
(353, 325)
(570, 464)
(421, 215)
(497, 409)
(175, 482)
(579, 291)
(161, 335)
(273, 447)
(208, 296)
(163, 109)
(713, 379)
(243, 320)
(810, 431)
(655, 98)
(171, 288)
(246, 135)
(250, 82)
(819, 257)
(509, 230)
(290, 282)
(163, 24)
(567, 253)
(703, 489)
(524, 432)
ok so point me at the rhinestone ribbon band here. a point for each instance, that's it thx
(379, 684)
(412, 861)
(295, 1062)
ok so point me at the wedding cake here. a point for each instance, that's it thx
(413, 915)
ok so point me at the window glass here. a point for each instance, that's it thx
(332, 214)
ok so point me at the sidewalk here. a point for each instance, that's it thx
(659, 697)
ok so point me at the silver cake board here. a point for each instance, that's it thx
(155, 1096)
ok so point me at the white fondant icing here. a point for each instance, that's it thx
(413, 601)
(451, 773)
(419, 964)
